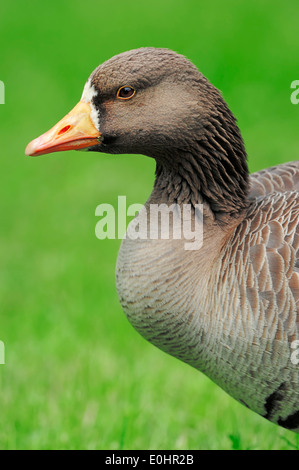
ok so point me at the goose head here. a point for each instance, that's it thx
(155, 102)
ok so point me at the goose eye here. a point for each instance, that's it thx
(125, 92)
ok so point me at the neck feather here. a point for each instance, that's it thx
(210, 169)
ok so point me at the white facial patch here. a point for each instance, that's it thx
(89, 92)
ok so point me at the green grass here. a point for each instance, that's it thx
(77, 376)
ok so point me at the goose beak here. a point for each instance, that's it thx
(75, 131)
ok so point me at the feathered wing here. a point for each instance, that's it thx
(269, 242)
(277, 179)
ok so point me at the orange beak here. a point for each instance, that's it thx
(75, 131)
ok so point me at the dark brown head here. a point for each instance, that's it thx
(155, 102)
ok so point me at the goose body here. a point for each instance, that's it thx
(233, 316)
(230, 308)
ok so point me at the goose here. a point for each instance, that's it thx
(230, 308)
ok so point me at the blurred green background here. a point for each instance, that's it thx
(77, 376)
